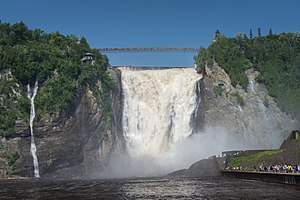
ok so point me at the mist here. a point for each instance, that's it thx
(180, 155)
(157, 110)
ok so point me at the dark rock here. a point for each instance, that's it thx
(205, 167)
(181, 172)
(197, 120)
(202, 168)
(78, 141)
(295, 134)
(21, 129)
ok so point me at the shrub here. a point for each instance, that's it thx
(218, 90)
(239, 99)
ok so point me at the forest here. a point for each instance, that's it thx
(54, 61)
(275, 56)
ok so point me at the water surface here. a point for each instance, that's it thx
(147, 188)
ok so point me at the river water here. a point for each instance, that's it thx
(147, 188)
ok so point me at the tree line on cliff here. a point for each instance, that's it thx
(275, 56)
(54, 61)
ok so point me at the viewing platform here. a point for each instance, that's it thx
(274, 177)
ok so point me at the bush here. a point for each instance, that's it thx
(266, 102)
(239, 99)
(12, 159)
(218, 90)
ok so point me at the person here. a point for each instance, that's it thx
(289, 168)
(261, 168)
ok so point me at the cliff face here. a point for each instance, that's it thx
(250, 117)
(79, 141)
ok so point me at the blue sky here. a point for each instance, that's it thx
(153, 23)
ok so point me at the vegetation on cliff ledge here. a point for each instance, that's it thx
(252, 159)
(276, 57)
(54, 61)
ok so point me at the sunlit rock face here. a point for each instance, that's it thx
(75, 143)
(259, 123)
(164, 108)
(162, 120)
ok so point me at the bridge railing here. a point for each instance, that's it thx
(148, 50)
(150, 67)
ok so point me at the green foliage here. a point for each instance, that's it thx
(11, 159)
(259, 32)
(218, 90)
(57, 94)
(8, 108)
(266, 102)
(276, 57)
(54, 61)
(239, 99)
(103, 95)
(255, 158)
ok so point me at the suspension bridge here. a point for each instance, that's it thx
(149, 50)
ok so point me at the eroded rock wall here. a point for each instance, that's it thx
(76, 143)
(256, 122)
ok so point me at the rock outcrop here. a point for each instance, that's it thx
(77, 143)
(251, 116)
(201, 168)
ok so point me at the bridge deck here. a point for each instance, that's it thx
(148, 50)
(152, 67)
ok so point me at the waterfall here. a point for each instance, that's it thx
(31, 95)
(157, 108)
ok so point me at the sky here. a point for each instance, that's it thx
(153, 23)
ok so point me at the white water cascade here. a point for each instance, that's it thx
(157, 110)
(31, 95)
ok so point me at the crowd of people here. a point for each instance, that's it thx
(280, 168)
(271, 168)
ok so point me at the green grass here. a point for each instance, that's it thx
(243, 160)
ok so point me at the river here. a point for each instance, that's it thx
(146, 188)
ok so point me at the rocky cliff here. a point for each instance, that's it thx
(201, 168)
(78, 142)
(250, 118)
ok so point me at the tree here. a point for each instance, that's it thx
(19, 33)
(251, 34)
(270, 32)
(259, 32)
(277, 58)
(217, 33)
(54, 60)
